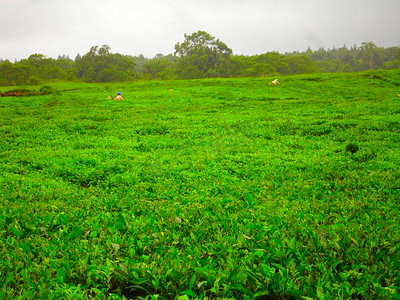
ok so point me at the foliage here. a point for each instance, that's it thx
(23, 92)
(99, 65)
(366, 57)
(200, 55)
(159, 67)
(208, 189)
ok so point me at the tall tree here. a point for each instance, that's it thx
(202, 55)
(7, 73)
(368, 53)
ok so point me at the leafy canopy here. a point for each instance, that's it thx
(202, 55)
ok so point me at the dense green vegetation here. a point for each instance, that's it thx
(212, 188)
(200, 55)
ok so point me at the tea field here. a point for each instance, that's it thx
(202, 189)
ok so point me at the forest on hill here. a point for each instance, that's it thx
(200, 55)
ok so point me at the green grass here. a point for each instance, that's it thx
(219, 188)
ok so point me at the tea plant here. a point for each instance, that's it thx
(215, 188)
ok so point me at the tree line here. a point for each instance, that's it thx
(200, 55)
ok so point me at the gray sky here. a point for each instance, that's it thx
(148, 27)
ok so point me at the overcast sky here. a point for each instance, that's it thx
(149, 27)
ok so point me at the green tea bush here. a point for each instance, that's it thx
(202, 189)
(46, 89)
(352, 148)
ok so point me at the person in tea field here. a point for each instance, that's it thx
(119, 97)
(274, 82)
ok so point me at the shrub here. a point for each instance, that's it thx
(46, 89)
(351, 147)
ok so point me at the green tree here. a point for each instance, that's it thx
(44, 68)
(20, 73)
(6, 73)
(369, 53)
(274, 63)
(391, 54)
(67, 65)
(332, 65)
(100, 65)
(301, 64)
(158, 66)
(202, 55)
(238, 64)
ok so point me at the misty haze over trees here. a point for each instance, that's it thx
(200, 55)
